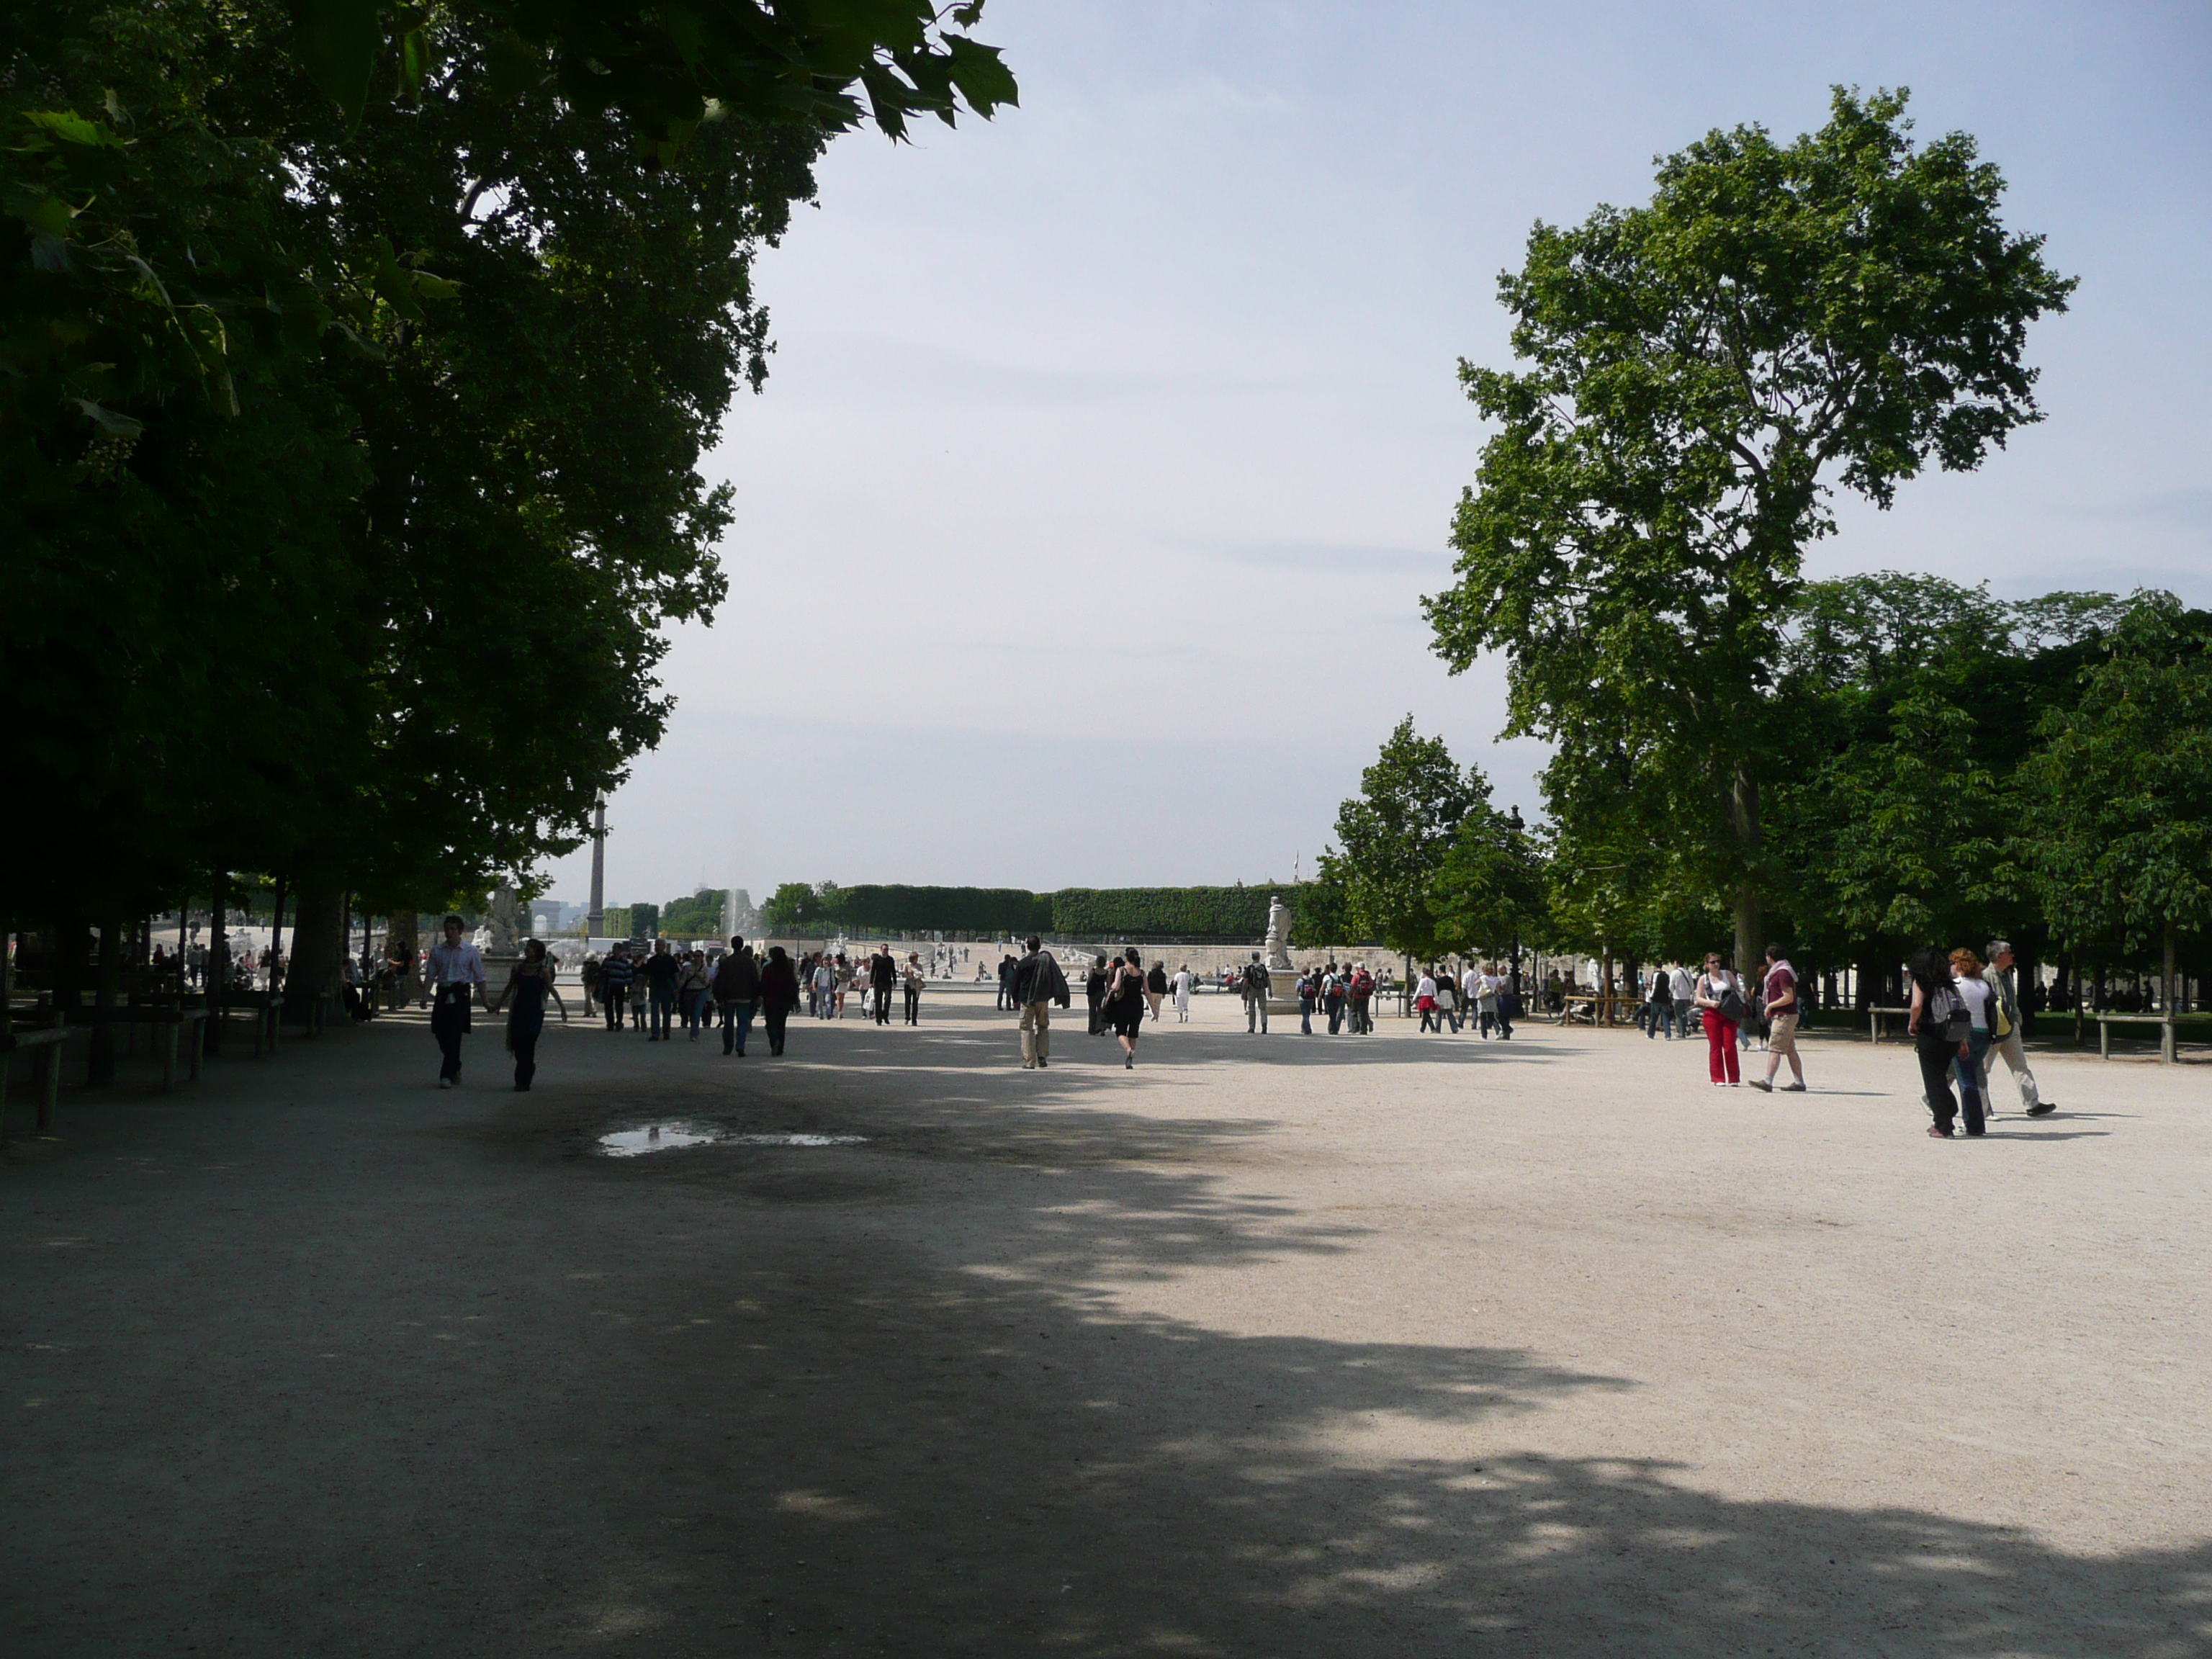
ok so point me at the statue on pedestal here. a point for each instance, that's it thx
(506, 923)
(1278, 933)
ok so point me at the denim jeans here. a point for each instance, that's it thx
(736, 1020)
(663, 1009)
(1970, 1073)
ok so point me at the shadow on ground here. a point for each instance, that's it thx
(470, 1392)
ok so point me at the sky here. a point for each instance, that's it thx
(1109, 445)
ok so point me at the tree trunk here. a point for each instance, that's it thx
(319, 937)
(218, 962)
(100, 1069)
(2165, 1047)
(1743, 816)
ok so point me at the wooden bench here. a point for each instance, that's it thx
(48, 1042)
(1597, 1000)
(2169, 1037)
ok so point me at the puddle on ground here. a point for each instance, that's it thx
(667, 1137)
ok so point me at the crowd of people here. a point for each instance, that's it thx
(1964, 1006)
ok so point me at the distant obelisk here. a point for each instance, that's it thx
(595, 919)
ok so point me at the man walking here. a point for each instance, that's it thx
(2000, 974)
(737, 994)
(616, 974)
(662, 971)
(1255, 996)
(1681, 990)
(911, 980)
(1037, 983)
(883, 974)
(458, 975)
(1360, 993)
(1778, 1000)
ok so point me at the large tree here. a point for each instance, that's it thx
(1704, 371)
(1397, 833)
(2120, 788)
(349, 455)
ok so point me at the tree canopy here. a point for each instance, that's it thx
(1779, 321)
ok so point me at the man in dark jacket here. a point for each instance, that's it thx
(1094, 993)
(883, 974)
(737, 993)
(1037, 984)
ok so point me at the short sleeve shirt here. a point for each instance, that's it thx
(1781, 981)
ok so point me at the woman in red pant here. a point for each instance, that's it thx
(1715, 983)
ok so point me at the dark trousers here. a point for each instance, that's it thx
(1936, 1057)
(736, 1020)
(1305, 1016)
(663, 1010)
(522, 1037)
(914, 1005)
(449, 1024)
(882, 1005)
(1336, 1016)
(773, 1017)
(614, 996)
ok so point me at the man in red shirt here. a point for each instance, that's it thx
(1778, 995)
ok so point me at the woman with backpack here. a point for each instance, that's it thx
(1940, 1025)
(1720, 1001)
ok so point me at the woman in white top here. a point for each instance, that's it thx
(1715, 985)
(1424, 999)
(1971, 1068)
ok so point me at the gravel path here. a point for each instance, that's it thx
(1396, 1346)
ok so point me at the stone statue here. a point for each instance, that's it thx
(506, 923)
(1278, 932)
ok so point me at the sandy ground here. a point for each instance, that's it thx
(1397, 1346)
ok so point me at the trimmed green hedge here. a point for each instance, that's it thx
(1231, 915)
(895, 909)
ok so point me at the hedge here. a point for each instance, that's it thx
(894, 910)
(1232, 915)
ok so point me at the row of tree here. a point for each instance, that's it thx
(356, 360)
(1956, 768)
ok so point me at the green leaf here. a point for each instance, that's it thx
(40, 211)
(515, 67)
(394, 283)
(69, 126)
(121, 426)
(337, 42)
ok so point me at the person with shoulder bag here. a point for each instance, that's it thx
(1720, 1000)
(1940, 1025)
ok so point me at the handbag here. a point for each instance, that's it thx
(1732, 1008)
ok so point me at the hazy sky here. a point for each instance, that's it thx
(1109, 445)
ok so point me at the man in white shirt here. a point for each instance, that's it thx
(1684, 990)
(456, 975)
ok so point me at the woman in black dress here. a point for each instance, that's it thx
(1125, 1004)
(528, 984)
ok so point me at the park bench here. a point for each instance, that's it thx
(166, 1025)
(1595, 1014)
(261, 1009)
(2169, 1035)
(47, 1043)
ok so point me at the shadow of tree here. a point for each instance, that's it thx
(437, 1385)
